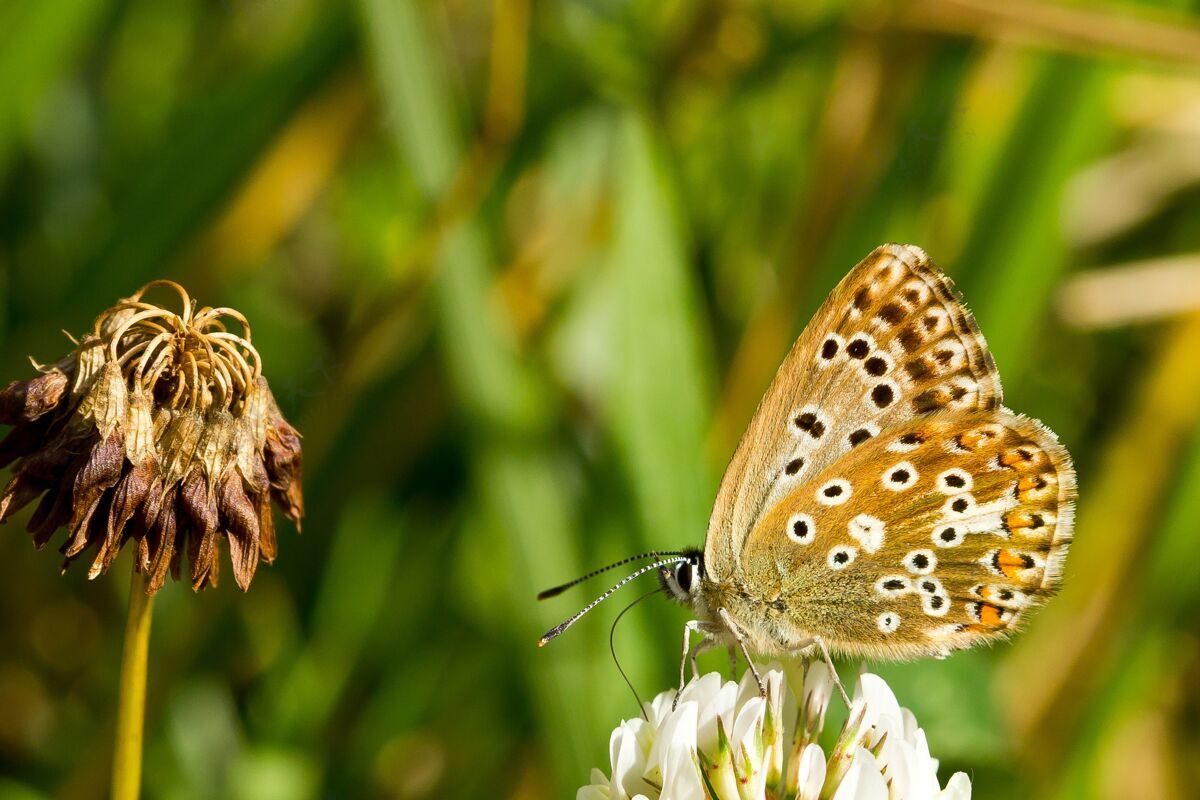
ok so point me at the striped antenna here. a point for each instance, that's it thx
(557, 590)
(557, 629)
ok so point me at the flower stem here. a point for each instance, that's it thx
(131, 702)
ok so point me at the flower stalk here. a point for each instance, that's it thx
(131, 702)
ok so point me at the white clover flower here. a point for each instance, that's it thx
(725, 742)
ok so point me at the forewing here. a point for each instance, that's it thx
(892, 342)
(933, 536)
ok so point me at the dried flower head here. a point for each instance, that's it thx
(158, 429)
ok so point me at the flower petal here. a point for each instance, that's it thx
(863, 780)
(957, 788)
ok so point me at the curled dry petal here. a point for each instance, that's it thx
(131, 491)
(99, 474)
(200, 505)
(283, 468)
(25, 401)
(158, 429)
(240, 521)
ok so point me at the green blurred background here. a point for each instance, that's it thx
(519, 272)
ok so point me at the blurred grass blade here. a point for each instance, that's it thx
(217, 142)
(42, 39)
(359, 569)
(1015, 250)
(518, 477)
(660, 398)
(1124, 500)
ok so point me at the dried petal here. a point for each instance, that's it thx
(54, 510)
(129, 494)
(103, 407)
(266, 526)
(240, 521)
(139, 426)
(99, 474)
(20, 492)
(23, 440)
(90, 360)
(177, 445)
(282, 457)
(215, 449)
(162, 542)
(36, 474)
(200, 505)
(25, 401)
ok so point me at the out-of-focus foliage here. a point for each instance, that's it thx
(519, 273)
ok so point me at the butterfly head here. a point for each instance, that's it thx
(682, 579)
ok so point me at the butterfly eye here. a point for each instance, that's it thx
(683, 576)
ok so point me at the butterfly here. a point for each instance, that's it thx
(883, 503)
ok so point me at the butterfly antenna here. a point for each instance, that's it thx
(612, 648)
(557, 590)
(557, 629)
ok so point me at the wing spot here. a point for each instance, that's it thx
(901, 476)
(829, 349)
(891, 313)
(936, 605)
(858, 348)
(949, 536)
(920, 562)
(953, 481)
(794, 466)
(987, 614)
(834, 493)
(907, 442)
(1008, 563)
(862, 298)
(960, 505)
(883, 395)
(876, 366)
(809, 422)
(868, 531)
(893, 586)
(841, 557)
(918, 369)
(802, 529)
(888, 622)
(858, 437)
(909, 339)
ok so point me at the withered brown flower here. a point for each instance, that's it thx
(158, 429)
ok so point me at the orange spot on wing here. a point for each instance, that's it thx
(979, 437)
(1010, 563)
(1023, 458)
(1018, 519)
(1028, 482)
(990, 615)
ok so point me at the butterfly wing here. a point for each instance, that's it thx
(892, 342)
(933, 536)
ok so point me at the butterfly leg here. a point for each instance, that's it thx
(732, 662)
(705, 644)
(688, 627)
(737, 634)
(832, 670)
